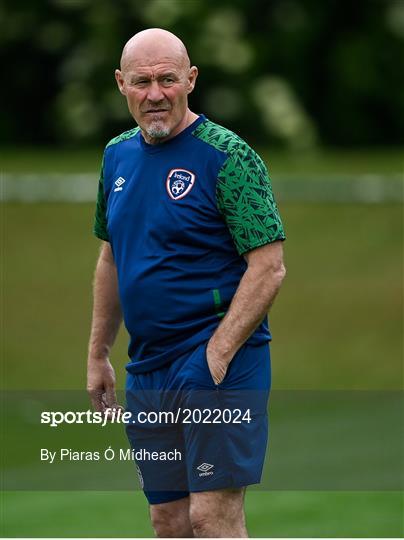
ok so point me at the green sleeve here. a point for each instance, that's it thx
(100, 221)
(245, 199)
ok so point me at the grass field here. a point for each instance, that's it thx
(337, 324)
(336, 161)
(279, 514)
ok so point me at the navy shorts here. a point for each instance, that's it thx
(189, 434)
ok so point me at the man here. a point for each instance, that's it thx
(192, 258)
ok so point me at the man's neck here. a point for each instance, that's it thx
(187, 120)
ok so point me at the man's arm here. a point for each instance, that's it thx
(251, 302)
(107, 317)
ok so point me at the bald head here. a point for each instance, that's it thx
(156, 78)
(153, 46)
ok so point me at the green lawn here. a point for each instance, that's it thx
(336, 323)
(321, 161)
(279, 514)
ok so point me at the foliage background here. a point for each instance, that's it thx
(286, 71)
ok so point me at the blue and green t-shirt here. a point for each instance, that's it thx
(179, 216)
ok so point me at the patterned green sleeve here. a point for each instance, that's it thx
(100, 222)
(245, 199)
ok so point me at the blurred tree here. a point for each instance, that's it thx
(288, 71)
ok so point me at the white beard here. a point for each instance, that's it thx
(157, 130)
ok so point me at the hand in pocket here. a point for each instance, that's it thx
(217, 365)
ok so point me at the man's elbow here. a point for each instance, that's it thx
(277, 273)
(266, 264)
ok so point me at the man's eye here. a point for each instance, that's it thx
(168, 80)
(138, 82)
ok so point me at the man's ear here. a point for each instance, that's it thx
(120, 81)
(193, 74)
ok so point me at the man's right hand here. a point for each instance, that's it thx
(101, 384)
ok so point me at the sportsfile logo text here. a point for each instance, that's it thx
(119, 416)
(55, 418)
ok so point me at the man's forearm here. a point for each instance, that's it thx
(107, 314)
(251, 302)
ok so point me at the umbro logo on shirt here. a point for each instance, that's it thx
(179, 183)
(118, 183)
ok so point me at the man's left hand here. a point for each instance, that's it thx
(217, 364)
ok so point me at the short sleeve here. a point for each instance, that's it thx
(245, 199)
(100, 221)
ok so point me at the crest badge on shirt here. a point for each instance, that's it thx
(179, 183)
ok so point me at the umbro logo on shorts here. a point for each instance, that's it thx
(179, 183)
(205, 469)
(118, 183)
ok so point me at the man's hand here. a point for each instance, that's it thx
(217, 363)
(101, 384)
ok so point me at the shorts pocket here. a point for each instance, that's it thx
(205, 361)
(206, 365)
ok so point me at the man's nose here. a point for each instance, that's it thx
(154, 92)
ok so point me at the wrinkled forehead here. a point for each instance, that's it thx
(135, 58)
